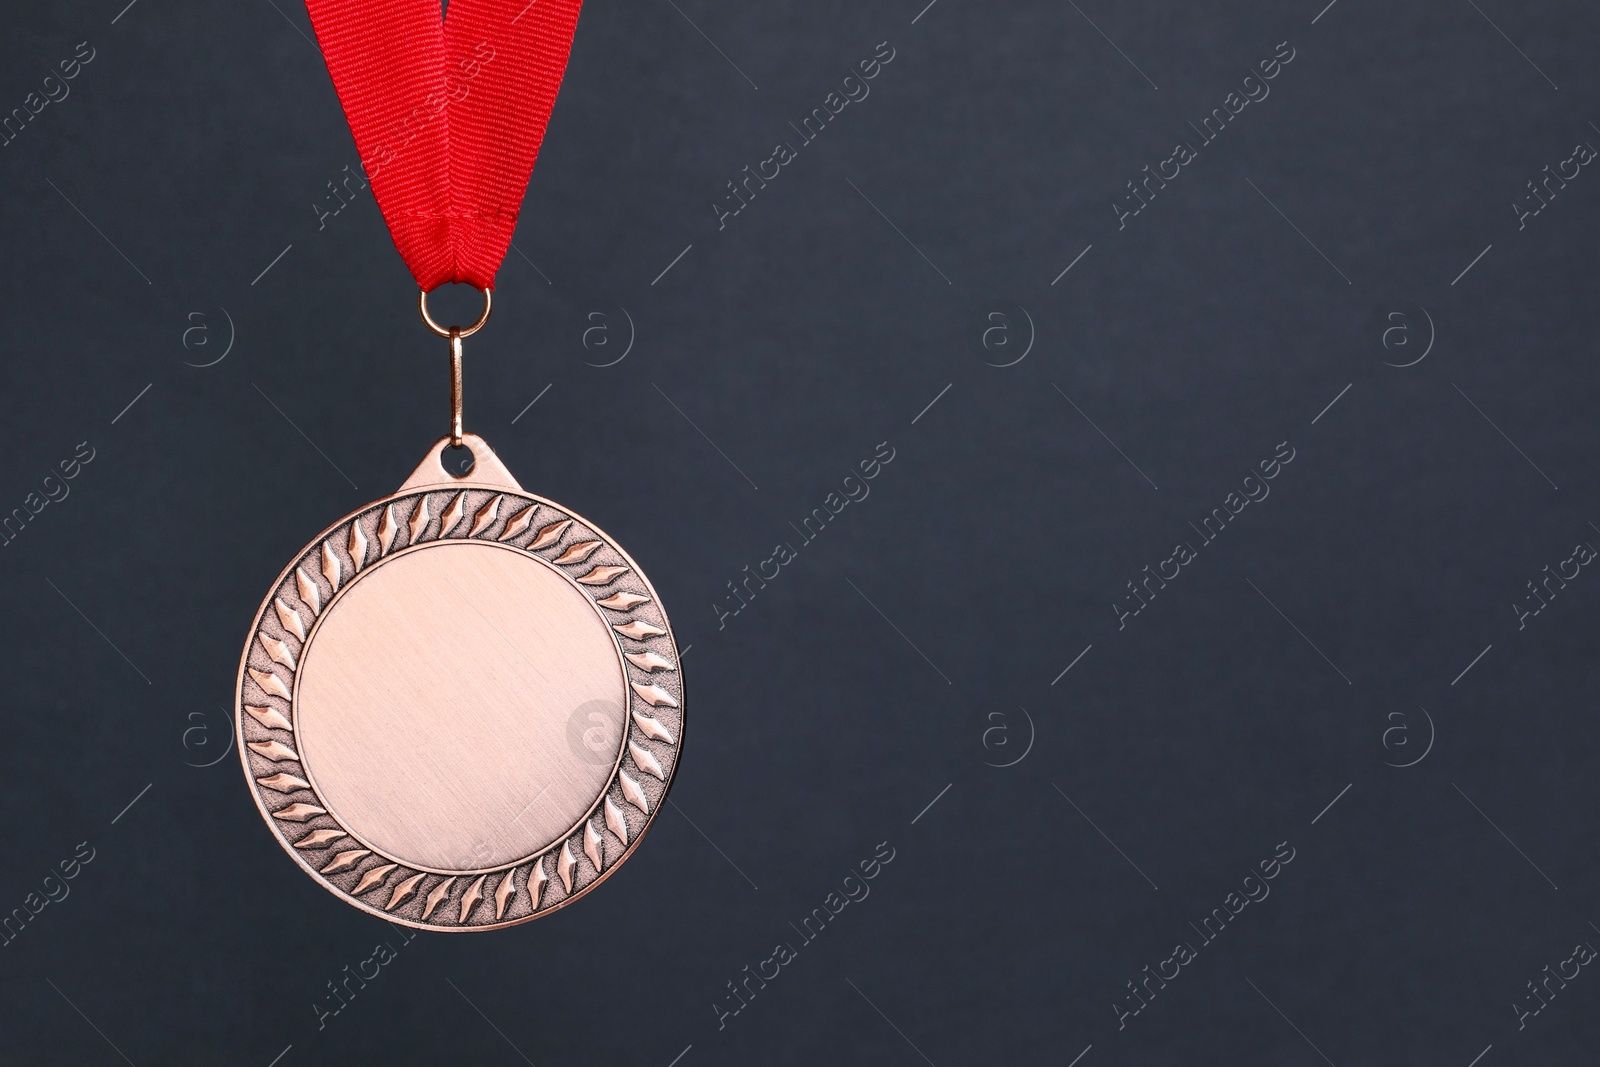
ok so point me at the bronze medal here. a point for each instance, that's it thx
(460, 707)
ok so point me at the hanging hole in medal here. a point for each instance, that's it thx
(441, 466)
(458, 461)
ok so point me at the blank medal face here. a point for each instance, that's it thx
(433, 704)
(460, 707)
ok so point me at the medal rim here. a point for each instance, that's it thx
(578, 892)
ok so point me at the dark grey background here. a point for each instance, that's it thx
(926, 632)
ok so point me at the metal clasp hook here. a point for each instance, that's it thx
(455, 334)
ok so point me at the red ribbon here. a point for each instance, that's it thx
(448, 115)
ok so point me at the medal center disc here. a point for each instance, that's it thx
(460, 706)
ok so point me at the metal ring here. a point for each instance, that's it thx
(459, 331)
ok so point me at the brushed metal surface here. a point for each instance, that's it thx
(433, 702)
(454, 691)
